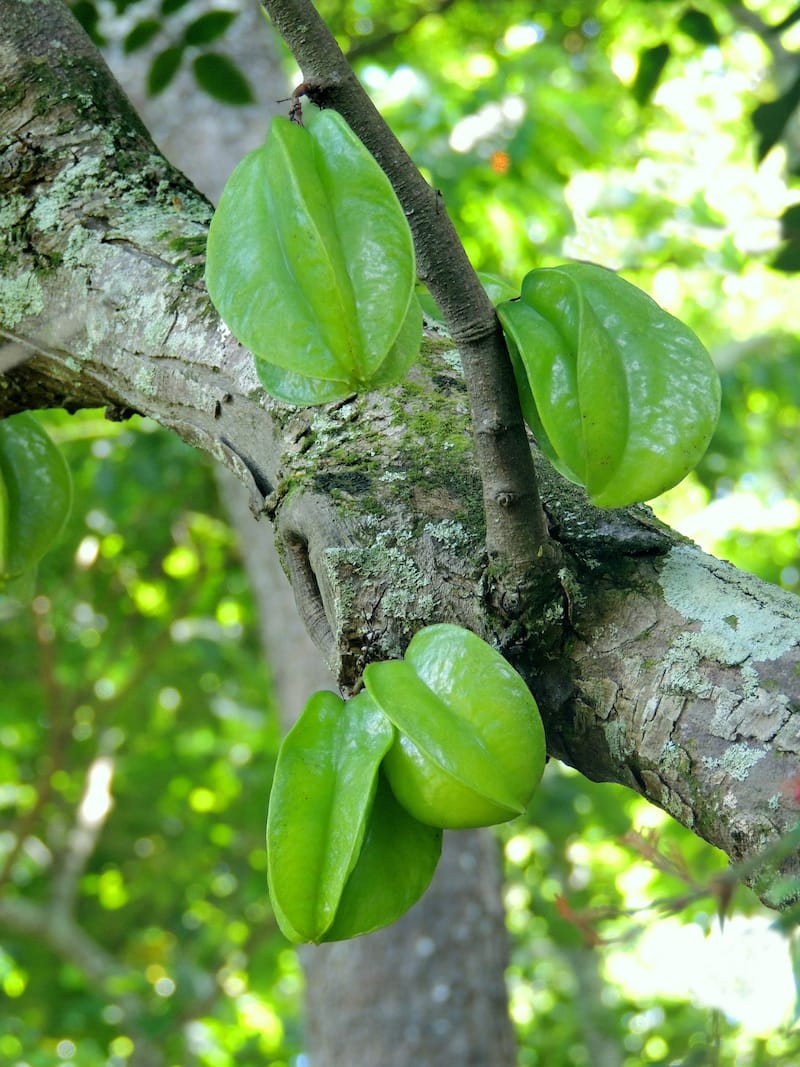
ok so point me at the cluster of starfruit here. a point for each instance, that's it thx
(449, 737)
(35, 500)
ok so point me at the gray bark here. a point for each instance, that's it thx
(654, 665)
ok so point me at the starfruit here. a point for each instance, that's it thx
(470, 746)
(310, 263)
(621, 395)
(35, 496)
(343, 857)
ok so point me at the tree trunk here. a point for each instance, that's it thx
(433, 981)
(654, 665)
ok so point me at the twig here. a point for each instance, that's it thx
(90, 818)
(516, 528)
(720, 885)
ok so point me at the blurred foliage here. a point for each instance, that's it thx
(179, 37)
(137, 740)
(614, 916)
(656, 138)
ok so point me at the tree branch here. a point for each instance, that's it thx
(516, 529)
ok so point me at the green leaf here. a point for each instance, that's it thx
(787, 258)
(208, 27)
(163, 69)
(651, 66)
(790, 223)
(35, 495)
(169, 7)
(395, 866)
(222, 79)
(141, 34)
(699, 26)
(770, 119)
(620, 392)
(310, 263)
(89, 17)
(322, 792)
(471, 745)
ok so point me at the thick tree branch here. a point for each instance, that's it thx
(516, 530)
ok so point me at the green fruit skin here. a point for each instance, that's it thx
(321, 797)
(310, 263)
(470, 747)
(37, 494)
(344, 858)
(395, 866)
(435, 797)
(620, 394)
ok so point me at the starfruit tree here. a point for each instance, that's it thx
(457, 496)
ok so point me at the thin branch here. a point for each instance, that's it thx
(516, 528)
(90, 818)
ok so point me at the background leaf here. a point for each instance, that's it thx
(648, 74)
(89, 17)
(770, 119)
(222, 79)
(141, 34)
(699, 26)
(163, 69)
(208, 27)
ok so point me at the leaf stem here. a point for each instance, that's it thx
(516, 528)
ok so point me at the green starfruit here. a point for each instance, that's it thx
(343, 857)
(395, 866)
(621, 395)
(35, 496)
(310, 263)
(470, 748)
